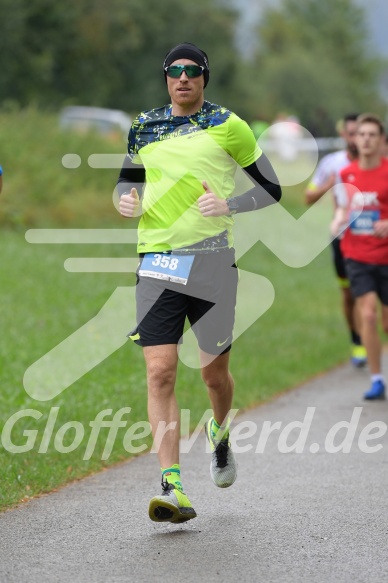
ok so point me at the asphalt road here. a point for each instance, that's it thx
(318, 516)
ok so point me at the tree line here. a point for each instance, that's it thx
(312, 58)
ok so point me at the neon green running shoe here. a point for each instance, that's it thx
(223, 466)
(171, 506)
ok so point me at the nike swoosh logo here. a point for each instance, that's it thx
(222, 343)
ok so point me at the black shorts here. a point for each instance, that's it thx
(208, 301)
(367, 277)
(339, 262)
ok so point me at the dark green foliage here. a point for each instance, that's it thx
(312, 59)
(314, 62)
(105, 53)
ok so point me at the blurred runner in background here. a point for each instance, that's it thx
(324, 179)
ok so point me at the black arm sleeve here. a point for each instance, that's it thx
(266, 190)
(131, 175)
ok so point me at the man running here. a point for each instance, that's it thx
(324, 179)
(187, 154)
(363, 203)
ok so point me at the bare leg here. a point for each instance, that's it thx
(219, 383)
(173, 505)
(161, 362)
(367, 306)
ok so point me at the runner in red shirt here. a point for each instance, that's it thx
(363, 205)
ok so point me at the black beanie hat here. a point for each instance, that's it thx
(188, 51)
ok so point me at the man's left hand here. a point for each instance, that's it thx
(210, 205)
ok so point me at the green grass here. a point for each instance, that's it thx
(38, 190)
(301, 335)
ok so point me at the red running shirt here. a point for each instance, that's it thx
(367, 197)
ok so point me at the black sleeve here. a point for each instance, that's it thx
(131, 175)
(266, 190)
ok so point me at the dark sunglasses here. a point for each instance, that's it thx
(175, 71)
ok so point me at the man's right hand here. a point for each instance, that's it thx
(129, 203)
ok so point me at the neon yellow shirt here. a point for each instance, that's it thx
(178, 154)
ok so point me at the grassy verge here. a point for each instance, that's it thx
(38, 190)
